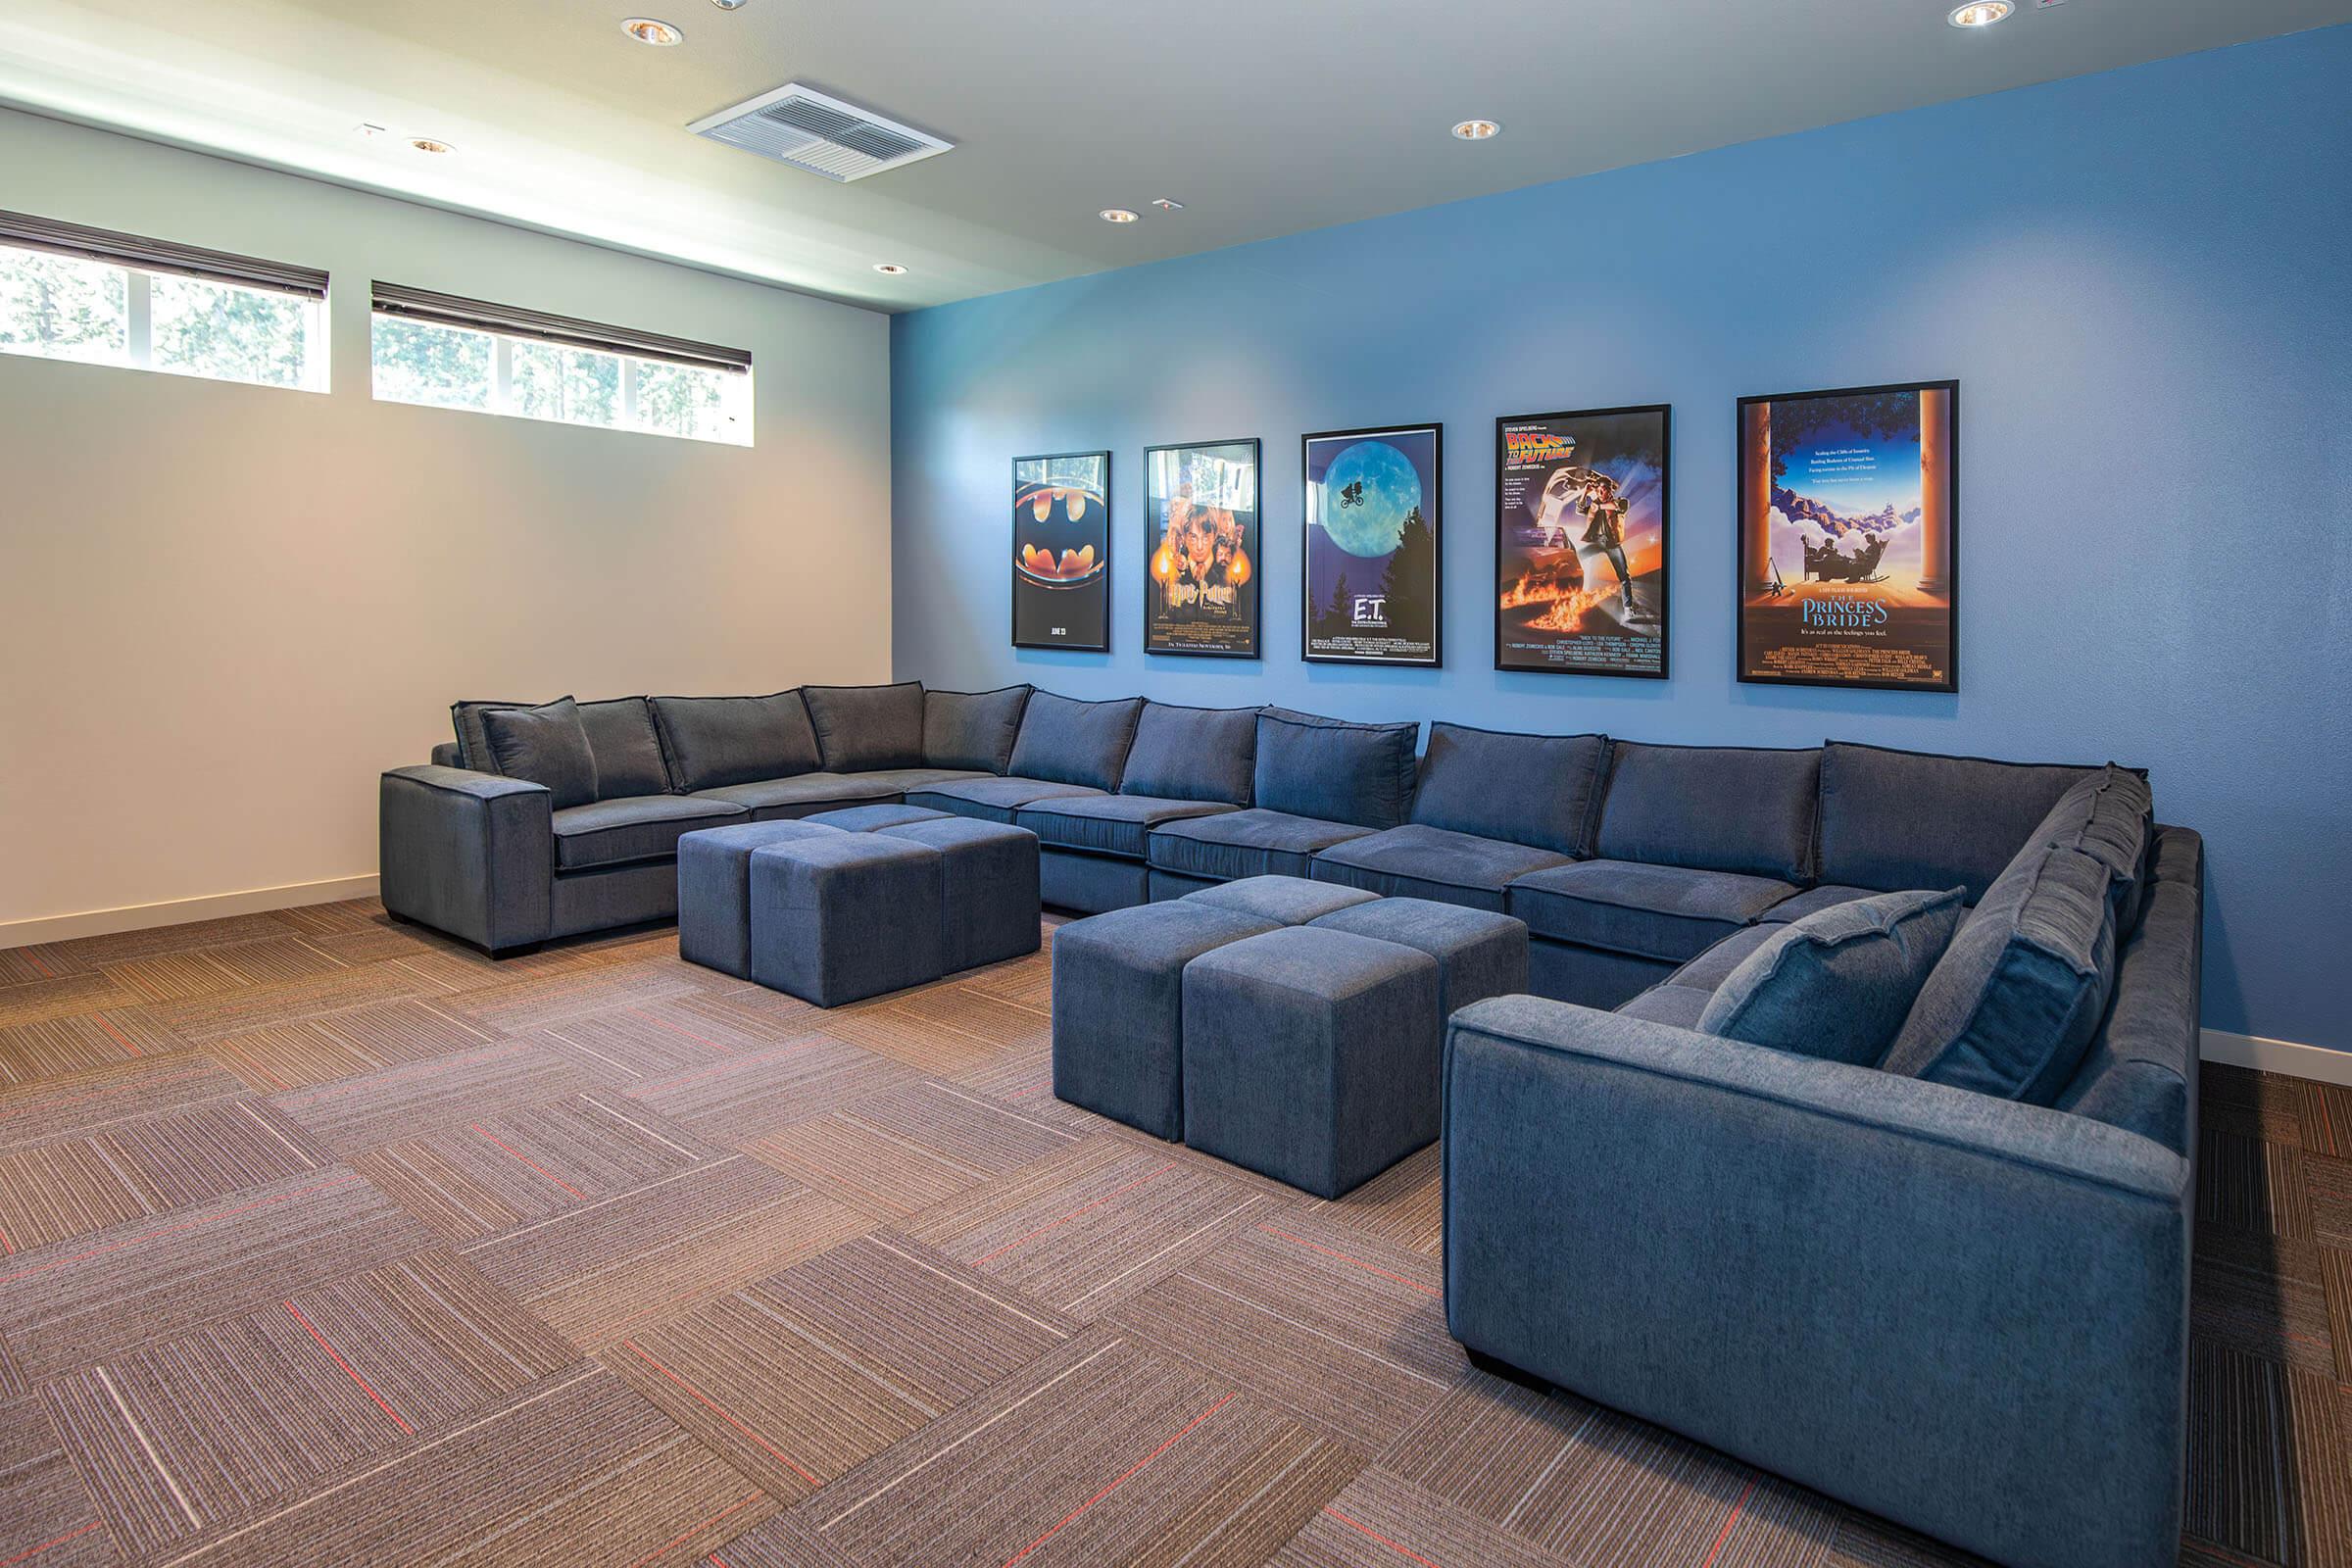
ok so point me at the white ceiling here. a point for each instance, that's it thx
(1262, 117)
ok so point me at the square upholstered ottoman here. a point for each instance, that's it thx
(989, 906)
(1311, 1054)
(714, 889)
(837, 917)
(1283, 900)
(1119, 1008)
(1480, 953)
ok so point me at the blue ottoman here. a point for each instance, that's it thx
(1310, 1056)
(1480, 953)
(989, 906)
(715, 875)
(1119, 1008)
(837, 917)
(1283, 900)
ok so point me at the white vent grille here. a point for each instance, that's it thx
(807, 129)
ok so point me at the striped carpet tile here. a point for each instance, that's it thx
(46, 1518)
(1404, 1205)
(38, 1000)
(1380, 1521)
(1099, 1453)
(2263, 1293)
(942, 1030)
(85, 1102)
(2267, 1459)
(122, 947)
(518, 1006)
(746, 1093)
(2331, 1186)
(437, 1093)
(799, 1378)
(603, 1269)
(56, 1047)
(73, 1302)
(663, 1039)
(284, 1002)
(73, 1186)
(2336, 1284)
(899, 1152)
(2250, 1184)
(574, 1471)
(1861, 1541)
(2326, 1119)
(1345, 1332)
(1025, 982)
(214, 1427)
(41, 961)
(343, 1045)
(1087, 1228)
(1600, 1488)
(339, 917)
(174, 977)
(504, 1170)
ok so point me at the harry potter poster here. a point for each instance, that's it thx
(1848, 538)
(1061, 550)
(1200, 533)
(1372, 559)
(1580, 541)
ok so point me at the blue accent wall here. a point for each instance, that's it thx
(2142, 281)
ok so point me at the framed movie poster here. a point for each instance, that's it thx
(1200, 533)
(1372, 559)
(1849, 529)
(1580, 541)
(1061, 550)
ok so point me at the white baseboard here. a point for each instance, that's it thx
(2316, 1062)
(180, 911)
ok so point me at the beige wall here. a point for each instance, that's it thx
(225, 609)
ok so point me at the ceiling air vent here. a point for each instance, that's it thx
(807, 129)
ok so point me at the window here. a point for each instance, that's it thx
(451, 353)
(73, 293)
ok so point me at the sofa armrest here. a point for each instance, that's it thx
(1965, 1314)
(469, 854)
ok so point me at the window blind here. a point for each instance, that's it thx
(29, 232)
(449, 309)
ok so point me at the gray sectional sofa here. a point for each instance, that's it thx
(1943, 1278)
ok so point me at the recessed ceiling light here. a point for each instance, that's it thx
(1117, 214)
(1477, 130)
(429, 144)
(728, 5)
(649, 30)
(886, 268)
(1980, 13)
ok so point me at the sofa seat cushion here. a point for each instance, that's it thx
(1683, 995)
(1838, 984)
(1813, 900)
(1233, 844)
(1108, 824)
(906, 779)
(991, 799)
(1418, 861)
(1671, 912)
(801, 794)
(635, 827)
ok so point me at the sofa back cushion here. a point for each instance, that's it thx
(2110, 815)
(1192, 754)
(2016, 999)
(627, 753)
(1712, 809)
(712, 742)
(1914, 820)
(474, 747)
(973, 729)
(1333, 771)
(1839, 983)
(1064, 741)
(863, 728)
(545, 746)
(1528, 789)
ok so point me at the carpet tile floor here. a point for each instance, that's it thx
(322, 1240)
